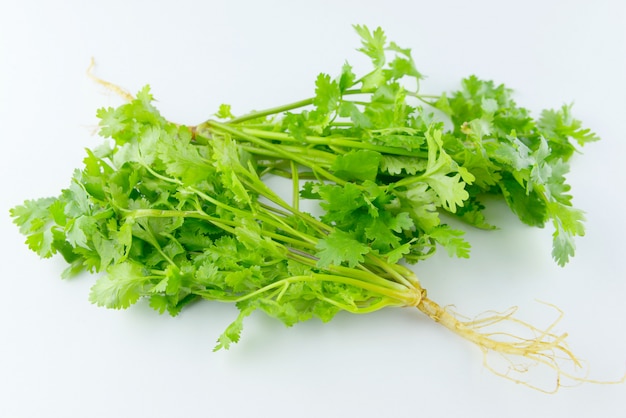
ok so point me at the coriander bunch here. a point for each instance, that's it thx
(175, 214)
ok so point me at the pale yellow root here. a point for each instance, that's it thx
(109, 86)
(541, 348)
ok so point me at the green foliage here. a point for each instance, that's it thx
(173, 214)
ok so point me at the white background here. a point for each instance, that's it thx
(60, 356)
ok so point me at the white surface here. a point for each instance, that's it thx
(62, 357)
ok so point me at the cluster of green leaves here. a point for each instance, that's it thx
(171, 220)
(174, 214)
(396, 160)
(522, 158)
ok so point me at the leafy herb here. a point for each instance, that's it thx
(174, 214)
(380, 145)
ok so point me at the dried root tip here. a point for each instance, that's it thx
(522, 354)
(109, 86)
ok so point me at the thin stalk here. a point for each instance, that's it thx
(280, 109)
(404, 297)
(408, 180)
(321, 228)
(356, 309)
(356, 273)
(295, 187)
(286, 154)
(272, 111)
(388, 268)
(159, 213)
(314, 156)
(333, 141)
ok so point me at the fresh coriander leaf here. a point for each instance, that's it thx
(349, 109)
(395, 165)
(357, 165)
(568, 223)
(347, 78)
(560, 126)
(233, 331)
(528, 206)
(28, 216)
(340, 247)
(327, 94)
(373, 44)
(120, 288)
(224, 112)
(451, 240)
(399, 252)
(79, 229)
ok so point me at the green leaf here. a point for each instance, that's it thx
(246, 279)
(407, 140)
(528, 206)
(327, 94)
(439, 174)
(374, 80)
(373, 44)
(349, 109)
(158, 302)
(224, 112)
(36, 220)
(183, 160)
(357, 165)
(568, 223)
(472, 213)
(346, 80)
(340, 201)
(557, 188)
(443, 104)
(28, 216)
(402, 67)
(142, 149)
(451, 240)
(451, 190)
(120, 288)
(399, 252)
(395, 165)
(112, 121)
(515, 154)
(559, 126)
(340, 247)
(233, 331)
(79, 229)
(42, 242)
(421, 203)
(77, 198)
(380, 231)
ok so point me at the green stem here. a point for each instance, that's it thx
(280, 109)
(295, 187)
(409, 180)
(311, 155)
(272, 111)
(284, 153)
(363, 275)
(333, 141)
(404, 297)
(388, 268)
